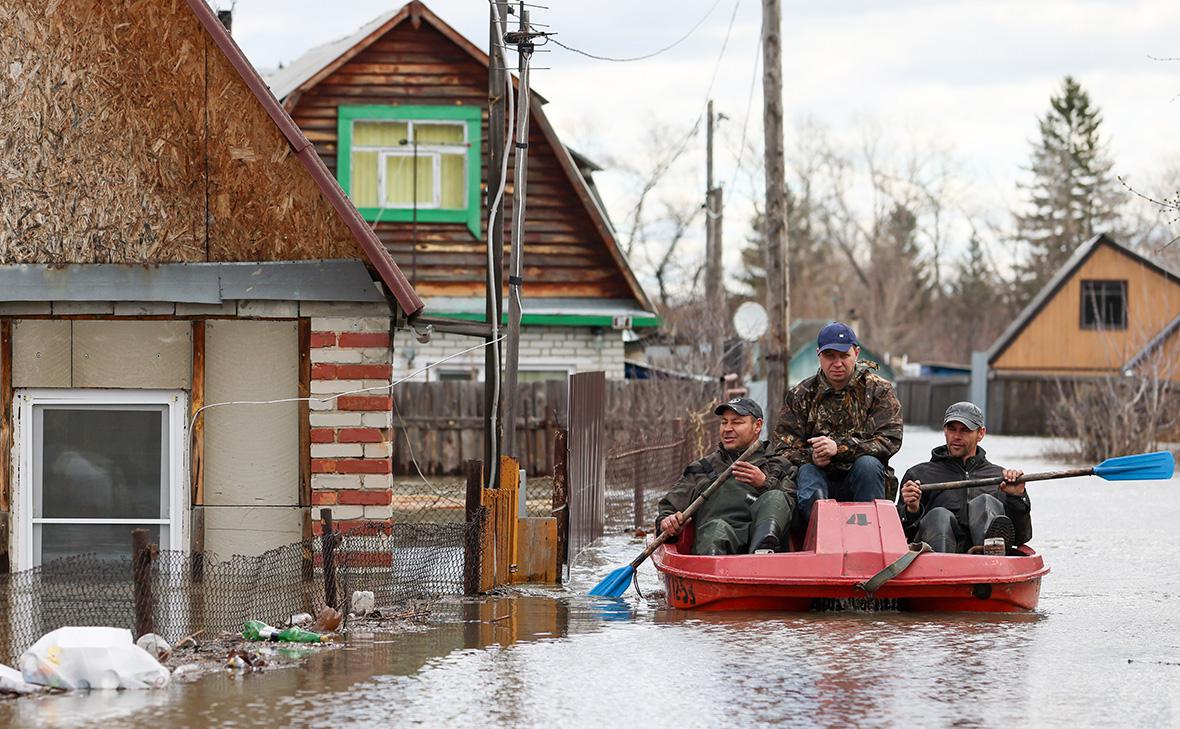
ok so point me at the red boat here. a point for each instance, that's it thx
(846, 545)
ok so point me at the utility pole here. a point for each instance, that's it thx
(778, 292)
(497, 84)
(714, 279)
(523, 40)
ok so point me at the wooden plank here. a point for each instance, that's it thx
(197, 418)
(536, 561)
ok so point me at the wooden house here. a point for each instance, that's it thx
(399, 112)
(177, 269)
(1108, 310)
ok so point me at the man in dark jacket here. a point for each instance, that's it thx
(958, 520)
(841, 426)
(752, 508)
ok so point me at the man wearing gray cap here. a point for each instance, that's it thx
(750, 511)
(959, 520)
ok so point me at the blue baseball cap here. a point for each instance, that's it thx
(837, 336)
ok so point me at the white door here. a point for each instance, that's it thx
(96, 464)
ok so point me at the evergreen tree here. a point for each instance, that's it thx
(978, 307)
(1072, 194)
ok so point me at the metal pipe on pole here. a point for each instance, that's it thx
(778, 292)
(497, 103)
(524, 45)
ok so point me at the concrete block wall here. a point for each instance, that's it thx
(573, 349)
(351, 434)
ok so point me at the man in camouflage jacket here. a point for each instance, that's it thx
(751, 510)
(840, 426)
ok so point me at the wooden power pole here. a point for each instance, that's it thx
(493, 394)
(714, 278)
(778, 293)
(523, 40)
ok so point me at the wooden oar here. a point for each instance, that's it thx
(1140, 467)
(616, 582)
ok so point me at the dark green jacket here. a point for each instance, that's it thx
(943, 467)
(780, 474)
(864, 419)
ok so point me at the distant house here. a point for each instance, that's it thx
(1108, 310)
(177, 269)
(398, 111)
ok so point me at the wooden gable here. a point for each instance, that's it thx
(414, 59)
(129, 137)
(1048, 337)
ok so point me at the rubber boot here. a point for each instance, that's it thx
(767, 535)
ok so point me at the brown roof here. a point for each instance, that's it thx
(375, 253)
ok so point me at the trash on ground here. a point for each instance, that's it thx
(258, 630)
(154, 645)
(12, 682)
(328, 620)
(363, 602)
(187, 672)
(91, 658)
(243, 660)
(300, 619)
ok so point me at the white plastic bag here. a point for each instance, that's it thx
(11, 682)
(91, 658)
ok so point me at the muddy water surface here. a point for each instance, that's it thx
(1103, 649)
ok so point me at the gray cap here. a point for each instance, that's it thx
(741, 406)
(967, 413)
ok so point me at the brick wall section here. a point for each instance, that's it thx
(573, 349)
(350, 435)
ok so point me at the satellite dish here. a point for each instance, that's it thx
(750, 321)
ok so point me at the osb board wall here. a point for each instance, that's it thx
(564, 254)
(122, 125)
(1054, 339)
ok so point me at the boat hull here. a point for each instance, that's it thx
(847, 544)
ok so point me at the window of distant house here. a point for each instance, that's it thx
(1104, 304)
(405, 163)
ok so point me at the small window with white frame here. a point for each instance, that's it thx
(96, 464)
(409, 163)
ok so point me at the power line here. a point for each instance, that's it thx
(645, 56)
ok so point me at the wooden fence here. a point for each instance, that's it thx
(440, 424)
(924, 400)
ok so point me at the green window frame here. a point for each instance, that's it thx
(471, 116)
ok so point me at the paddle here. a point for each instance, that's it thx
(1140, 467)
(616, 582)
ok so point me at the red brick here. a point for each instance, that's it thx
(360, 435)
(323, 339)
(323, 371)
(362, 371)
(359, 466)
(323, 498)
(370, 527)
(364, 339)
(322, 465)
(378, 404)
(323, 435)
(365, 498)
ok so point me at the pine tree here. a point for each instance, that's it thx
(1072, 194)
(979, 304)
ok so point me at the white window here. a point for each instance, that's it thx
(398, 162)
(96, 464)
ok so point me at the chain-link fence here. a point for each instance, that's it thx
(199, 592)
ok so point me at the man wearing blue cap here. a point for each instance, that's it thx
(749, 512)
(840, 426)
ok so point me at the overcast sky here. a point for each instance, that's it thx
(970, 76)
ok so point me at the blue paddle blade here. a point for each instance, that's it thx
(1141, 467)
(615, 584)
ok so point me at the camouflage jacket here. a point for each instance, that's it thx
(780, 474)
(864, 419)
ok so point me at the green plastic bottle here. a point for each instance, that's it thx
(258, 630)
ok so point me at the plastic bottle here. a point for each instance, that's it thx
(258, 630)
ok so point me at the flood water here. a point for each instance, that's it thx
(1102, 649)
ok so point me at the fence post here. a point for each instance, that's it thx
(472, 514)
(328, 545)
(561, 494)
(141, 575)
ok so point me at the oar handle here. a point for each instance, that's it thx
(696, 504)
(997, 480)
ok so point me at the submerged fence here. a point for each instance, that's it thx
(199, 592)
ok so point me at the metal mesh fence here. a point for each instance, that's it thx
(199, 592)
